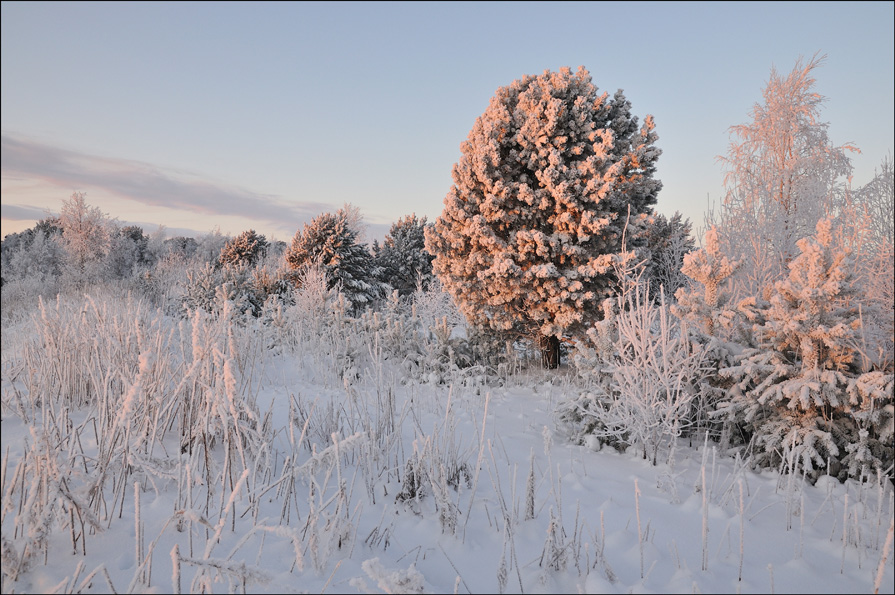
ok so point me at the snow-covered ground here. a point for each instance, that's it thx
(332, 469)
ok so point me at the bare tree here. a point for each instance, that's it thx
(877, 200)
(783, 174)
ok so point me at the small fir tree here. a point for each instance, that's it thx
(707, 308)
(793, 390)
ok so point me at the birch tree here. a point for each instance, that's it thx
(782, 175)
(86, 236)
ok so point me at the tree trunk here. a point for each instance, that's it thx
(550, 352)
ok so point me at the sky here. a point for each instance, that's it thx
(236, 116)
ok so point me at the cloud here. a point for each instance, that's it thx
(21, 213)
(145, 184)
(30, 214)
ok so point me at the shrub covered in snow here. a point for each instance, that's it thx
(647, 390)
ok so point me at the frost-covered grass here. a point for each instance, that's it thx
(309, 452)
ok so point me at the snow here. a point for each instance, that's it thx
(317, 508)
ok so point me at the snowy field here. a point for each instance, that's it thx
(305, 452)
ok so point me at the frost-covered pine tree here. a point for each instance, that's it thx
(668, 241)
(245, 249)
(793, 390)
(129, 250)
(241, 289)
(330, 240)
(402, 259)
(537, 213)
(180, 247)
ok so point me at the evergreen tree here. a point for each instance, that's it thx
(402, 259)
(181, 246)
(35, 254)
(668, 241)
(793, 390)
(538, 210)
(49, 226)
(210, 287)
(129, 250)
(247, 249)
(330, 240)
(706, 307)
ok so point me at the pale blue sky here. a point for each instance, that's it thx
(263, 115)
